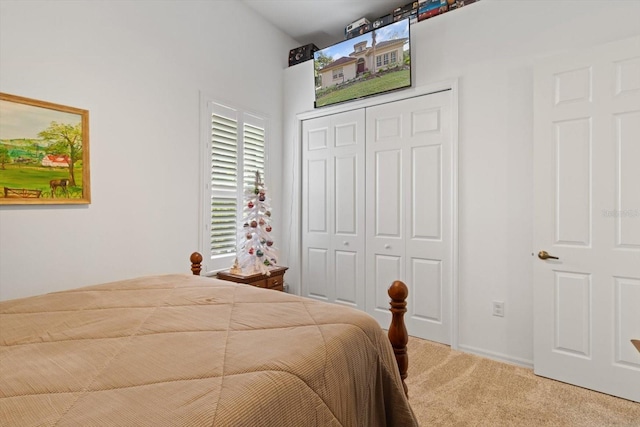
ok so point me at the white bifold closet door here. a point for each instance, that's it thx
(333, 208)
(409, 211)
(377, 207)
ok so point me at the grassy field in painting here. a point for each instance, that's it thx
(35, 177)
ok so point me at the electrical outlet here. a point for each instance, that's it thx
(498, 308)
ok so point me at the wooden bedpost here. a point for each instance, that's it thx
(398, 336)
(196, 263)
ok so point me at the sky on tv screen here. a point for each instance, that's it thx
(397, 30)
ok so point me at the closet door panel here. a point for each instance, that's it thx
(333, 208)
(410, 196)
(426, 276)
(347, 276)
(318, 137)
(346, 195)
(429, 242)
(385, 209)
(316, 194)
(316, 209)
(347, 130)
(426, 188)
(346, 246)
(317, 269)
(347, 237)
(387, 199)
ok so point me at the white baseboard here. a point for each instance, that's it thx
(496, 356)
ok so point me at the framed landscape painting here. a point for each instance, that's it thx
(44, 152)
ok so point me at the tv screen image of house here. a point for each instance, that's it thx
(375, 62)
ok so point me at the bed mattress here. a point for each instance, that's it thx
(181, 350)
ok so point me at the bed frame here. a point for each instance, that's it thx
(398, 336)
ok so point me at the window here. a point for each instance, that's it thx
(337, 73)
(235, 144)
(394, 55)
(384, 59)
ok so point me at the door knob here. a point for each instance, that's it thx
(545, 255)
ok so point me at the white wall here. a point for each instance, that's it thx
(138, 67)
(491, 47)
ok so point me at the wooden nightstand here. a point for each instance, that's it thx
(274, 281)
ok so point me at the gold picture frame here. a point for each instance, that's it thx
(44, 153)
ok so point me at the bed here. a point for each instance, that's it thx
(185, 350)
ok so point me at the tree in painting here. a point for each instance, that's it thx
(65, 139)
(4, 156)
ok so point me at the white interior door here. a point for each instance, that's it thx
(587, 213)
(333, 208)
(409, 211)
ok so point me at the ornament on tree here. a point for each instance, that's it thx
(256, 252)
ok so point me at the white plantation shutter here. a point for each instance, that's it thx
(224, 184)
(237, 150)
(253, 148)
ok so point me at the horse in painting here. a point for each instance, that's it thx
(59, 183)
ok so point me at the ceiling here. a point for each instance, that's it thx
(320, 22)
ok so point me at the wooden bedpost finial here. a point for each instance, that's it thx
(398, 292)
(196, 263)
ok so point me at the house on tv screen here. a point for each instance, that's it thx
(381, 56)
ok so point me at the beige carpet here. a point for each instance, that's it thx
(451, 388)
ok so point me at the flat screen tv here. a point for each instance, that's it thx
(375, 62)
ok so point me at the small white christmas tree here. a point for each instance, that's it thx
(256, 253)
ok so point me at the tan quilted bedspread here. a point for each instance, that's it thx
(180, 350)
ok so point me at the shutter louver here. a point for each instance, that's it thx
(253, 159)
(224, 184)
